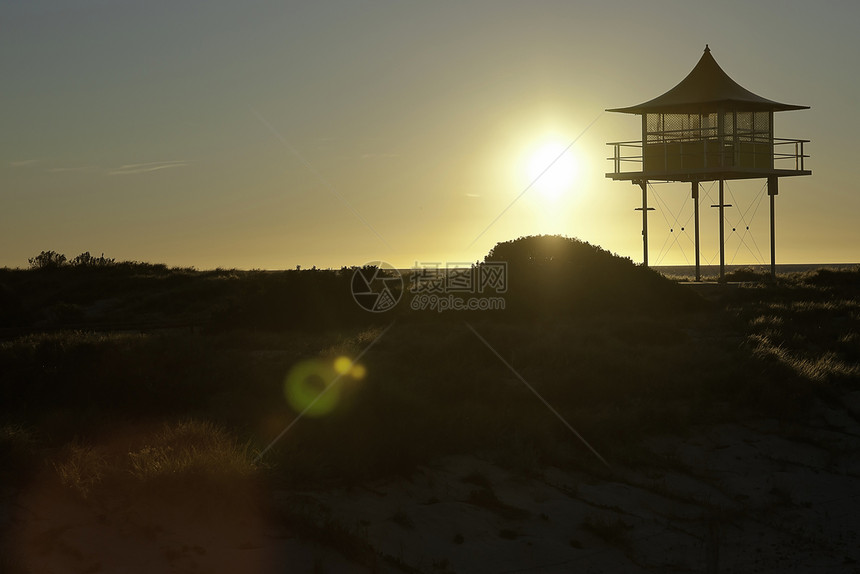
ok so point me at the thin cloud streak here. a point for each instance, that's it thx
(135, 168)
(23, 163)
(72, 169)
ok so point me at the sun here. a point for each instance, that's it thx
(552, 168)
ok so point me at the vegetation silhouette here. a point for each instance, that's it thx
(551, 275)
(47, 260)
(100, 293)
(87, 347)
(547, 277)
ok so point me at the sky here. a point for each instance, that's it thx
(274, 134)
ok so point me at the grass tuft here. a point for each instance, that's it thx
(184, 459)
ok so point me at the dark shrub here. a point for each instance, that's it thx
(552, 275)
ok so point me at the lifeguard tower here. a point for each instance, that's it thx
(708, 128)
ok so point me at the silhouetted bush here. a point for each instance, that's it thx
(87, 260)
(551, 275)
(47, 260)
(833, 278)
(748, 275)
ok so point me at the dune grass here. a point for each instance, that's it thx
(183, 460)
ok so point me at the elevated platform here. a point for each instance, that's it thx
(700, 160)
(706, 174)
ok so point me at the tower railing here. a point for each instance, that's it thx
(675, 155)
(794, 153)
(620, 157)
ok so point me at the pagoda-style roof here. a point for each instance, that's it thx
(707, 88)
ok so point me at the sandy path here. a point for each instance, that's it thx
(759, 497)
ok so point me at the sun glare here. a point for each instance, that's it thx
(553, 168)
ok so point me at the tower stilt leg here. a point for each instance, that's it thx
(772, 191)
(695, 190)
(722, 207)
(644, 185)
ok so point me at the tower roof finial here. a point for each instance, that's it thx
(707, 49)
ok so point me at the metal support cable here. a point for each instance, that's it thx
(676, 217)
(759, 258)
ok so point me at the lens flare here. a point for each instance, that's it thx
(311, 385)
(316, 385)
(342, 365)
